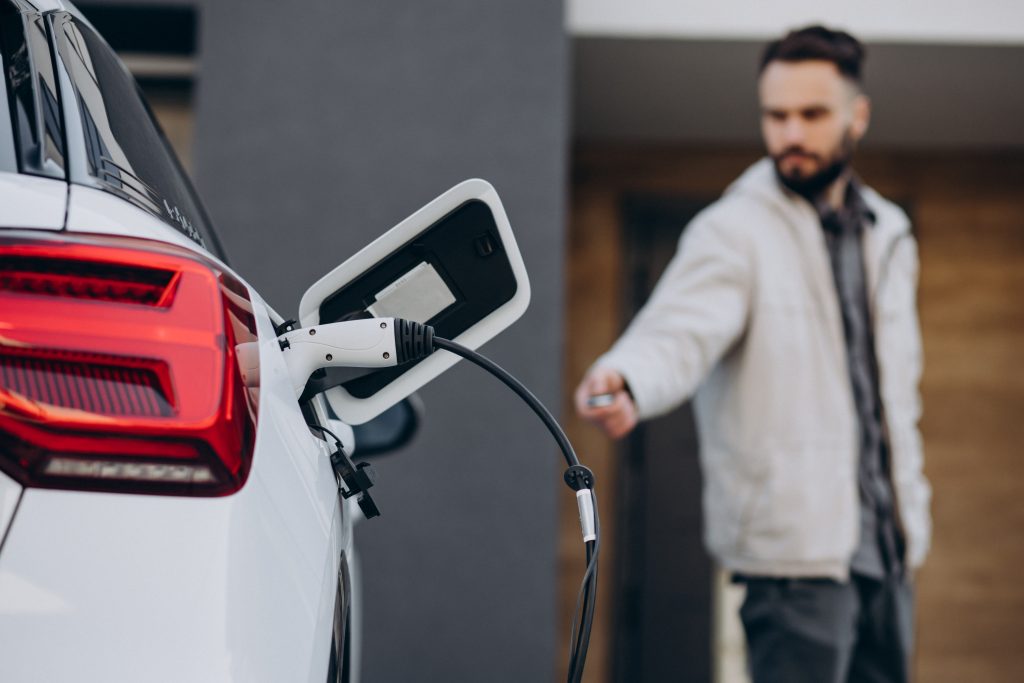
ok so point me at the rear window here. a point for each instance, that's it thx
(8, 157)
(30, 129)
(126, 152)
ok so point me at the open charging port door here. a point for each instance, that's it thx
(454, 265)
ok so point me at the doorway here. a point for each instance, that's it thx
(664, 587)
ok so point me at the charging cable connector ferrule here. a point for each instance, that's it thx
(585, 501)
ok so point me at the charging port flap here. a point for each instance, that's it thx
(454, 265)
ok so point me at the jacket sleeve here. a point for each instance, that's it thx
(697, 311)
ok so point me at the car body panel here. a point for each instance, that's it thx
(95, 211)
(10, 494)
(32, 202)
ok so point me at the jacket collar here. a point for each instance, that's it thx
(760, 182)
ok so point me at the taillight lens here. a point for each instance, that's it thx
(118, 368)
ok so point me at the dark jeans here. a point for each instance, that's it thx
(822, 631)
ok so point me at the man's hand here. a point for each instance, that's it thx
(617, 418)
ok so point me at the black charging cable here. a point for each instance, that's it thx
(414, 341)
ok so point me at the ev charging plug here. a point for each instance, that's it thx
(366, 343)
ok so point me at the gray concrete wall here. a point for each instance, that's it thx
(319, 125)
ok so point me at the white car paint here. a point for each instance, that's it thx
(95, 211)
(32, 202)
(10, 492)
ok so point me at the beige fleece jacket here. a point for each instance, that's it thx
(746, 318)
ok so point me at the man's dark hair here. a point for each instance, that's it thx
(818, 43)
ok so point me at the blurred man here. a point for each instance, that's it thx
(789, 312)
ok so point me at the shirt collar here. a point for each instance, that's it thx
(854, 207)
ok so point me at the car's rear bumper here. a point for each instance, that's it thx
(104, 587)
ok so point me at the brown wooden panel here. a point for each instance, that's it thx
(592, 322)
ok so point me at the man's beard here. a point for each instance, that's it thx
(810, 187)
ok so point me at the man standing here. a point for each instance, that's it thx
(789, 313)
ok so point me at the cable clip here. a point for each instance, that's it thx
(579, 477)
(357, 480)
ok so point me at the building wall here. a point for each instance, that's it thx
(320, 125)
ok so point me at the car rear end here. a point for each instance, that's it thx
(165, 511)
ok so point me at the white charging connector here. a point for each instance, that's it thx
(585, 502)
(367, 343)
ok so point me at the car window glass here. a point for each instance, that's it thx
(126, 152)
(32, 91)
(8, 153)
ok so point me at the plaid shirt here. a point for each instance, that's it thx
(880, 549)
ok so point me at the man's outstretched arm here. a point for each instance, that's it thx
(697, 311)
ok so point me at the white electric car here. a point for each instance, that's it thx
(168, 506)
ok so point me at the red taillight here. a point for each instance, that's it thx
(85, 280)
(118, 368)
